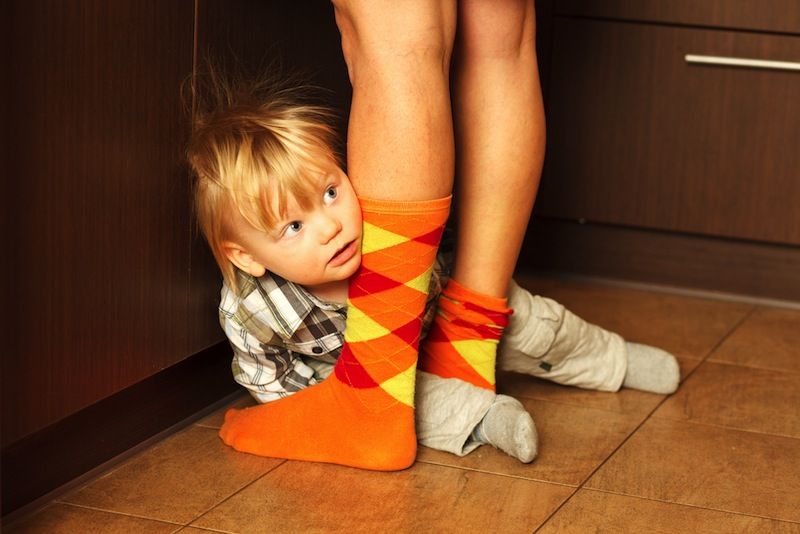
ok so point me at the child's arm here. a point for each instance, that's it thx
(262, 362)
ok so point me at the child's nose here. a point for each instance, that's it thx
(331, 226)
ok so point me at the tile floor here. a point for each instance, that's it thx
(720, 455)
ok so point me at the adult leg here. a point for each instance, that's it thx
(499, 130)
(401, 158)
(400, 138)
(500, 133)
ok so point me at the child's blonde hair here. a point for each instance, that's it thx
(253, 145)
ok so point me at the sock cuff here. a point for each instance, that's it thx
(462, 293)
(405, 207)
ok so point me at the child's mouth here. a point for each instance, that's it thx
(344, 255)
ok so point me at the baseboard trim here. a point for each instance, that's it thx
(753, 269)
(50, 458)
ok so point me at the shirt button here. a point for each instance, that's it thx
(317, 350)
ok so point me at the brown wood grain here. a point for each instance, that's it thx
(665, 258)
(637, 136)
(762, 15)
(103, 221)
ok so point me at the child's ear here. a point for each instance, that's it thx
(238, 256)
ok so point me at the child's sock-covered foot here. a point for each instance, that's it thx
(363, 414)
(508, 427)
(651, 369)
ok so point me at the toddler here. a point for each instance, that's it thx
(286, 230)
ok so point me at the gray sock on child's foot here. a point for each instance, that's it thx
(508, 427)
(651, 369)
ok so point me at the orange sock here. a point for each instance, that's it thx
(363, 414)
(462, 341)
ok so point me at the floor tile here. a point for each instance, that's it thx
(311, 497)
(595, 511)
(216, 418)
(688, 327)
(176, 480)
(625, 401)
(711, 467)
(770, 339)
(65, 519)
(573, 441)
(759, 400)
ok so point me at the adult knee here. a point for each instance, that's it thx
(386, 34)
(496, 29)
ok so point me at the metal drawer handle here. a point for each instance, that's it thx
(742, 62)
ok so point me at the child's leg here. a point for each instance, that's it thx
(457, 417)
(546, 340)
(400, 148)
(500, 147)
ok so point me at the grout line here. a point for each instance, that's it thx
(506, 475)
(695, 506)
(116, 512)
(725, 427)
(720, 296)
(711, 351)
(754, 367)
(579, 405)
(725, 337)
(485, 472)
(238, 491)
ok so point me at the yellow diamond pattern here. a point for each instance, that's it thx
(422, 282)
(401, 386)
(376, 238)
(479, 354)
(361, 327)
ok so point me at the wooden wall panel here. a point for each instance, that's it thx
(662, 258)
(102, 227)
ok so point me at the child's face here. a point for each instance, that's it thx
(312, 247)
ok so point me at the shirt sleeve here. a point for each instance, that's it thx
(263, 364)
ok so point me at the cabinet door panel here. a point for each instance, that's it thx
(761, 15)
(101, 212)
(639, 137)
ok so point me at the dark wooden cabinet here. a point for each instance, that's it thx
(113, 294)
(641, 137)
(643, 142)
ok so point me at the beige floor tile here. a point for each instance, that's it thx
(625, 401)
(216, 418)
(595, 511)
(770, 339)
(573, 441)
(739, 397)
(65, 519)
(706, 466)
(687, 327)
(311, 497)
(176, 480)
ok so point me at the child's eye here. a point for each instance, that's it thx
(293, 228)
(331, 193)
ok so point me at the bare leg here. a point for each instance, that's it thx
(500, 137)
(400, 139)
(400, 156)
(499, 126)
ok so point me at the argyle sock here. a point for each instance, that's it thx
(462, 342)
(363, 414)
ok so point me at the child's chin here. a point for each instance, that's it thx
(347, 273)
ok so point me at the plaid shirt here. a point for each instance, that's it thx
(284, 338)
